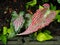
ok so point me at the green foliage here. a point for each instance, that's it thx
(7, 33)
(40, 7)
(52, 7)
(31, 3)
(14, 15)
(45, 0)
(17, 16)
(4, 39)
(21, 13)
(57, 16)
(11, 33)
(28, 19)
(43, 36)
(58, 1)
(48, 32)
(4, 30)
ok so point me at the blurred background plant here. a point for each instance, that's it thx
(58, 1)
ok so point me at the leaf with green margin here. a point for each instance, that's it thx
(14, 15)
(21, 13)
(20, 20)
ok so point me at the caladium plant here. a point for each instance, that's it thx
(17, 20)
(43, 17)
(28, 20)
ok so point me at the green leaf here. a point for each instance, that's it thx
(57, 12)
(4, 39)
(48, 37)
(45, 0)
(11, 33)
(28, 19)
(4, 30)
(58, 1)
(52, 7)
(57, 15)
(17, 17)
(14, 15)
(48, 32)
(40, 7)
(43, 36)
(0, 37)
(58, 18)
(31, 3)
(21, 13)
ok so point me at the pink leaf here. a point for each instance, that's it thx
(46, 5)
(39, 21)
(18, 23)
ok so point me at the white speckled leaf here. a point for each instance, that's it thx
(18, 22)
